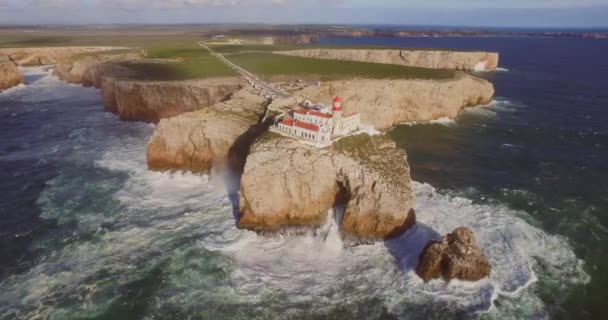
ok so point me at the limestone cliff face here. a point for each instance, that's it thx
(45, 56)
(295, 39)
(152, 101)
(139, 100)
(9, 74)
(287, 183)
(194, 141)
(376, 175)
(434, 59)
(385, 103)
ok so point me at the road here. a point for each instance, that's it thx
(257, 82)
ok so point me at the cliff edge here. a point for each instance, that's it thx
(142, 100)
(47, 55)
(433, 59)
(385, 103)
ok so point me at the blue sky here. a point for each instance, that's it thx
(508, 13)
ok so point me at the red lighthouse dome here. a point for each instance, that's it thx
(337, 104)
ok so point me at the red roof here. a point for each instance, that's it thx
(320, 114)
(288, 122)
(301, 111)
(337, 99)
(307, 126)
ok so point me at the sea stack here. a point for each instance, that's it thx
(455, 256)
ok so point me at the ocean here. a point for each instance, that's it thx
(87, 232)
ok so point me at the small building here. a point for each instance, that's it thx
(314, 117)
(320, 127)
(305, 130)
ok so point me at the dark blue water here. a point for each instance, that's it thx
(88, 233)
(545, 151)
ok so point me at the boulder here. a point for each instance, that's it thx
(9, 74)
(454, 257)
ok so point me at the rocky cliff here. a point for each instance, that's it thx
(9, 74)
(196, 140)
(385, 103)
(152, 101)
(90, 70)
(46, 56)
(454, 257)
(141, 100)
(434, 59)
(289, 184)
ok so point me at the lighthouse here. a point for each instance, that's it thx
(337, 116)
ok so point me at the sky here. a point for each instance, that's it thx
(489, 13)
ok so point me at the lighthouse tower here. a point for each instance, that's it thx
(337, 116)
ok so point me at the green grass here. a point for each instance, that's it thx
(195, 68)
(376, 153)
(238, 48)
(353, 144)
(187, 50)
(108, 53)
(243, 48)
(267, 64)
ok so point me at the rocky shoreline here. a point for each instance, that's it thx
(284, 184)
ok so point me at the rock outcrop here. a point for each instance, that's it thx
(9, 74)
(433, 59)
(152, 101)
(375, 175)
(385, 103)
(139, 100)
(289, 184)
(454, 257)
(196, 140)
(46, 56)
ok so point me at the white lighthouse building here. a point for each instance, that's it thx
(320, 127)
(344, 123)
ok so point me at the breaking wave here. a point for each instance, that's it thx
(166, 244)
(182, 225)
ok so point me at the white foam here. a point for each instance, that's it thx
(480, 66)
(9, 91)
(446, 121)
(188, 220)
